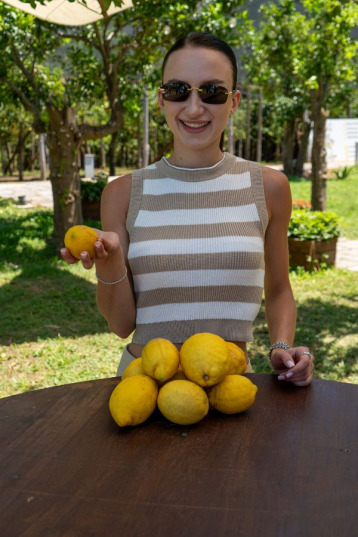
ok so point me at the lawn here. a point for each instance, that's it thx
(51, 332)
(341, 198)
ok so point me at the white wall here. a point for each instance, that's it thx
(341, 140)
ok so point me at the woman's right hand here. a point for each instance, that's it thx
(106, 246)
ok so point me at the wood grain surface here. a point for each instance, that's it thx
(286, 467)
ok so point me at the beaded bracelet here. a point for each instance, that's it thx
(111, 283)
(280, 345)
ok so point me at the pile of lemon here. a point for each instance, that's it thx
(206, 372)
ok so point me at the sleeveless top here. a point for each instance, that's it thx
(197, 249)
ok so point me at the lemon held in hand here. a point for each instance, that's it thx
(133, 400)
(80, 239)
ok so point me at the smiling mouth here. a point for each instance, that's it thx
(198, 126)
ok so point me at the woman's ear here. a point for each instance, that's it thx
(160, 99)
(235, 101)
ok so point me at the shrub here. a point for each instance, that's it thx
(91, 189)
(313, 225)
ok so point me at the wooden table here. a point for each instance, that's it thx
(287, 467)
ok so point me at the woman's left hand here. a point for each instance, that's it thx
(294, 365)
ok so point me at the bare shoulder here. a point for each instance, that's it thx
(277, 190)
(274, 178)
(115, 200)
(118, 188)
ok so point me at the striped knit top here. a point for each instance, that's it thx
(197, 249)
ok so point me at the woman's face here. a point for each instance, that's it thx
(197, 126)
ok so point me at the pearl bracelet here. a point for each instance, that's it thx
(112, 283)
(280, 345)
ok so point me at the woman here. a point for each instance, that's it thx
(189, 243)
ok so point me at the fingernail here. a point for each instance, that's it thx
(288, 375)
(281, 377)
(98, 244)
(290, 363)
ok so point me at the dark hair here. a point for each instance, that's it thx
(205, 40)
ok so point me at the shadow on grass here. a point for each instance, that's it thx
(329, 329)
(42, 300)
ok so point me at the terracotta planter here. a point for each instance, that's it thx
(91, 209)
(310, 254)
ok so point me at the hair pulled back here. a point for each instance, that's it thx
(205, 40)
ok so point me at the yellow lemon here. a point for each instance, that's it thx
(135, 367)
(133, 400)
(238, 359)
(80, 239)
(160, 359)
(179, 375)
(205, 358)
(183, 402)
(233, 394)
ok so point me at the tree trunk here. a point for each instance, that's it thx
(3, 159)
(20, 158)
(103, 155)
(303, 139)
(319, 165)
(112, 154)
(8, 167)
(248, 126)
(42, 156)
(288, 147)
(33, 151)
(63, 143)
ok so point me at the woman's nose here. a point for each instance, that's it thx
(194, 103)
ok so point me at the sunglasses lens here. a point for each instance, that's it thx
(175, 92)
(211, 94)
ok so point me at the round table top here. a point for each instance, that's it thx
(286, 467)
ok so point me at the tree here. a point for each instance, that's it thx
(54, 72)
(329, 63)
(300, 59)
(43, 81)
(273, 60)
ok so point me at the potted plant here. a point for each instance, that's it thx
(312, 236)
(91, 192)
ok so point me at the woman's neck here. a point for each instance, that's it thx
(196, 159)
(201, 167)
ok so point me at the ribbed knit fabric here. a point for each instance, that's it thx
(197, 249)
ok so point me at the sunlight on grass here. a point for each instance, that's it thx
(52, 333)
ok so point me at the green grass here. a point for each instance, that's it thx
(341, 198)
(52, 333)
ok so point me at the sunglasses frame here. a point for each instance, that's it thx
(184, 96)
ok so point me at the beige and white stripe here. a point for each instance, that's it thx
(196, 249)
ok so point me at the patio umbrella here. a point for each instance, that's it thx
(69, 13)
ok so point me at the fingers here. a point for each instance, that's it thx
(67, 256)
(86, 260)
(294, 365)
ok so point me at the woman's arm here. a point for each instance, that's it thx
(280, 305)
(115, 302)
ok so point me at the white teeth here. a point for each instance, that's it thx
(195, 125)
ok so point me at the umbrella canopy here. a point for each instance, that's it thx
(68, 13)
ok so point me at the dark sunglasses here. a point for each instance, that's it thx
(208, 93)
